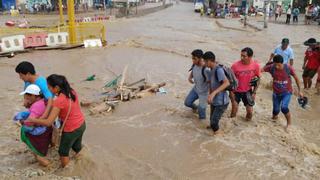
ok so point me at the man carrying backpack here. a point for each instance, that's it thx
(199, 76)
(282, 87)
(245, 70)
(218, 97)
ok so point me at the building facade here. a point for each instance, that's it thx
(7, 4)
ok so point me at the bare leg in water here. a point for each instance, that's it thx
(234, 105)
(42, 160)
(249, 113)
(305, 82)
(288, 117)
(64, 161)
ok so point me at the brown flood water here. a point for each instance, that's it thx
(157, 137)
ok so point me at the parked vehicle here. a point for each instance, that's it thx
(198, 5)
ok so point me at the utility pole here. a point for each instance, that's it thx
(72, 28)
(61, 12)
(136, 7)
(127, 8)
(266, 15)
(246, 13)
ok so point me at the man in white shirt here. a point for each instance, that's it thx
(288, 14)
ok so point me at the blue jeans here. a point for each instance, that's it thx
(192, 97)
(215, 116)
(281, 101)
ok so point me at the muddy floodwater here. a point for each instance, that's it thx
(157, 137)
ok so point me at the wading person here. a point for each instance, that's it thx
(218, 97)
(245, 70)
(295, 14)
(199, 76)
(277, 13)
(311, 62)
(289, 11)
(308, 16)
(65, 106)
(37, 138)
(282, 87)
(28, 74)
(285, 51)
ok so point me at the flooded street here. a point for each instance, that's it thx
(157, 137)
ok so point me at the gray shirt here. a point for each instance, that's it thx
(201, 85)
(216, 78)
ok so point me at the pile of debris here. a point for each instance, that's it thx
(117, 91)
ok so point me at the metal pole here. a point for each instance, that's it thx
(266, 6)
(72, 30)
(246, 14)
(105, 7)
(127, 8)
(61, 12)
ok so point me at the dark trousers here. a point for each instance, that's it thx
(295, 18)
(215, 116)
(288, 18)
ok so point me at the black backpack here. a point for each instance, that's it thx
(230, 76)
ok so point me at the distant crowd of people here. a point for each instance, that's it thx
(312, 13)
(219, 85)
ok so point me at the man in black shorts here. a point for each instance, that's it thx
(245, 70)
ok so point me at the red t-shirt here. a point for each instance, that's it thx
(76, 118)
(244, 73)
(313, 59)
(281, 78)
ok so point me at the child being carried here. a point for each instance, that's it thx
(33, 100)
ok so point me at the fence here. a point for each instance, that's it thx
(50, 36)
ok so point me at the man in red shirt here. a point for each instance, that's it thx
(311, 62)
(282, 87)
(245, 70)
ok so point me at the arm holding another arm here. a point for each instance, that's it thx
(222, 87)
(48, 109)
(48, 121)
(271, 57)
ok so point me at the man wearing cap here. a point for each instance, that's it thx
(311, 62)
(285, 51)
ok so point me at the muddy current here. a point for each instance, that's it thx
(157, 137)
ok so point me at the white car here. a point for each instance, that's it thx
(198, 6)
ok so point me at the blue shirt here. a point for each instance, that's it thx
(216, 79)
(287, 54)
(296, 12)
(42, 83)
